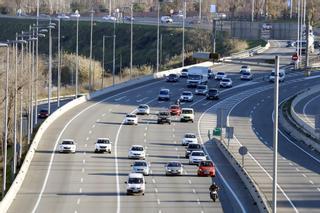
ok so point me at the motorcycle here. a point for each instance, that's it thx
(214, 195)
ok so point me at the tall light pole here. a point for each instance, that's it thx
(200, 11)
(37, 67)
(103, 60)
(90, 63)
(183, 28)
(158, 35)
(114, 53)
(298, 37)
(5, 142)
(59, 62)
(131, 38)
(252, 10)
(77, 60)
(275, 136)
(21, 105)
(50, 67)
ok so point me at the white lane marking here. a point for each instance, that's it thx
(93, 126)
(140, 100)
(205, 104)
(198, 201)
(176, 149)
(80, 190)
(75, 211)
(146, 128)
(59, 138)
(159, 211)
(87, 138)
(82, 170)
(310, 181)
(83, 161)
(138, 96)
(119, 99)
(81, 180)
(189, 181)
(304, 175)
(90, 132)
(145, 134)
(297, 169)
(194, 191)
(156, 190)
(153, 180)
(158, 201)
(78, 201)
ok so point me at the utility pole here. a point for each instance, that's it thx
(77, 60)
(298, 37)
(275, 136)
(214, 26)
(90, 63)
(158, 36)
(291, 9)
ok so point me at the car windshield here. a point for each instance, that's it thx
(163, 113)
(194, 146)
(213, 91)
(245, 73)
(67, 142)
(174, 164)
(220, 73)
(137, 148)
(135, 180)
(190, 136)
(140, 163)
(225, 80)
(103, 141)
(44, 110)
(184, 70)
(201, 87)
(187, 111)
(173, 75)
(174, 107)
(194, 77)
(186, 93)
(244, 67)
(164, 92)
(131, 116)
(198, 154)
(206, 163)
(143, 107)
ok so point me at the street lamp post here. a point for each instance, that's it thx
(114, 53)
(59, 63)
(183, 29)
(131, 38)
(103, 61)
(158, 36)
(77, 60)
(90, 63)
(51, 26)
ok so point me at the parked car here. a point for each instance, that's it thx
(103, 145)
(206, 168)
(166, 19)
(131, 119)
(189, 138)
(187, 114)
(226, 82)
(196, 157)
(141, 166)
(164, 117)
(67, 145)
(192, 147)
(220, 75)
(172, 78)
(201, 90)
(266, 26)
(174, 168)
(164, 94)
(213, 94)
(135, 184)
(245, 68)
(76, 14)
(143, 109)
(186, 96)
(63, 16)
(136, 152)
(175, 110)
(109, 18)
(246, 76)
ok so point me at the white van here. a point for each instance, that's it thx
(136, 184)
(282, 75)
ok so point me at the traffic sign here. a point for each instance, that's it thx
(295, 57)
(243, 150)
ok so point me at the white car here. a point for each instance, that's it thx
(143, 109)
(226, 82)
(164, 94)
(174, 168)
(189, 138)
(266, 26)
(76, 14)
(67, 145)
(109, 18)
(63, 16)
(196, 157)
(202, 90)
(220, 75)
(103, 145)
(245, 68)
(131, 119)
(136, 184)
(246, 76)
(136, 152)
(187, 114)
(186, 96)
(141, 166)
(166, 19)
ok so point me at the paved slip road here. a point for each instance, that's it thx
(86, 181)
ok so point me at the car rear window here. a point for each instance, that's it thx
(220, 73)
(174, 164)
(190, 136)
(137, 148)
(135, 180)
(67, 142)
(131, 116)
(187, 111)
(198, 154)
(206, 163)
(194, 146)
(102, 141)
(164, 92)
(140, 163)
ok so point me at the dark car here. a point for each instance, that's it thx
(192, 147)
(172, 78)
(44, 113)
(316, 44)
(213, 94)
(164, 117)
(184, 73)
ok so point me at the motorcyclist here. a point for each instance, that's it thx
(213, 187)
(178, 101)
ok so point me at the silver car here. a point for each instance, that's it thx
(141, 166)
(174, 168)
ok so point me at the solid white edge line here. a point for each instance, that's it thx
(62, 131)
(305, 106)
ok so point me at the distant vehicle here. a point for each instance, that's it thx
(143, 109)
(141, 166)
(164, 94)
(213, 94)
(282, 75)
(246, 76)
(43, 113)
(174, 168)
(187, 114)
(192, 147)
(245, 68)
(76, 14)
(184, 73)
(135, 184)
(136, 152)
(109, 18)
(201, 90)
(290, 44)
(166, 19)
(189, 138)
(175, 110)
(131, 119)
(63, 16)
(186, 96)
(197, 76)
(221, 15)
(266, 26)
(316, 44)
(67, 145)
(128, 18)
(206, 168)
(172, 78)
(196, 157)
(103, 145)
(220, 75)
(164, 117)
(210, 73)
(226, 82)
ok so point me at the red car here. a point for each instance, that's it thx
(43, 113)
(175, 110)
(206, 168)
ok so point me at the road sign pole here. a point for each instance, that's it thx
(275, 136)
(242, 161)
